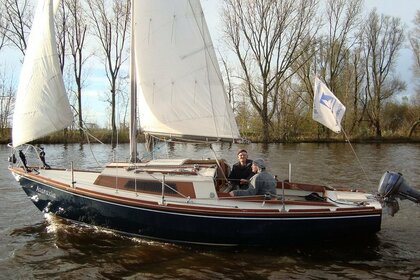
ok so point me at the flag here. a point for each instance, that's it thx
(327, 109)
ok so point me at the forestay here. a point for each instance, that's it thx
(42, 106)
(180, 88)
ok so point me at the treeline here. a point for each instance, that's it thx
(270, 54)
(282, 45)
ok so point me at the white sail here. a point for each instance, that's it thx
(180, 88)
(41, 106)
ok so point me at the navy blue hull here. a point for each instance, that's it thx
(194, 228)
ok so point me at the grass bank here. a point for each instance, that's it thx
(105, 136)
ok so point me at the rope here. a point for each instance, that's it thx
(358, 160)
(87, 134)
(218, 163)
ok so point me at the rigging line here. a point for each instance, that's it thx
(152, 152)
(218, 163)
(87, 134)
(354, 152)
(84, 129)
(90, 148)
(169, 187)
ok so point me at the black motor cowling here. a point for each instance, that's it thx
(392, 185)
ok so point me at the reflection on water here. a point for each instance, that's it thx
(38, 247)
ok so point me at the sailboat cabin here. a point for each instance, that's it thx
(170, 177)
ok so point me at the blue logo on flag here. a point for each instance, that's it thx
(327, 101)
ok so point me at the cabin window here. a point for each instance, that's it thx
(155, 187)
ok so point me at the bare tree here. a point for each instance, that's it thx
(18, 18)
(337, 60)
(4, 26)
(111, 28)
(265, 35)
(61, 28)
(414, 39)
(228, 81)
(77, 29)
(383, 38)
(355, 77)
(342, 17)
(7, 94)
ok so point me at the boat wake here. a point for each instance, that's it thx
(59, 226)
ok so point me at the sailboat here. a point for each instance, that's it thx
(180, 96)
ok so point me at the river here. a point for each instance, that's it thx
(38, 246)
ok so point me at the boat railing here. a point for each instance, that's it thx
(29, 151)
(164, 186)
(179, 171)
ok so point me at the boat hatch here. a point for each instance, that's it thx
(166, 162)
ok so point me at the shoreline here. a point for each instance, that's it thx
(105, 136)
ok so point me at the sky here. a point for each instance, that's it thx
(96, 107)
(404, 9)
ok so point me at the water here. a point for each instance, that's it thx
(34, 246)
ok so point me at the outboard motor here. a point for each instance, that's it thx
(391, 186)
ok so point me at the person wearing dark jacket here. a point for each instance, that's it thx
(42, 157)
(23, 160)
(241, 171)
(262, 183)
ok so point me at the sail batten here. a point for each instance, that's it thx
(41, 105)
(180, 87)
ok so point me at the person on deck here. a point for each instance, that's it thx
(42, 157)
(23, 159)
(241, 171)
(262, 183)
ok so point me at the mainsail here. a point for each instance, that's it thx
(41, 106)
(180, 86)
(327, 109)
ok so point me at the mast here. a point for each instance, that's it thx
(133, 93)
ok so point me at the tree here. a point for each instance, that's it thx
(356, 77)
(61, 29)
(4, 26)
(77, 28)
(265, 36)
(111, 29)
(414, 39)
(343, 17)
(7, 94)
(17, 19)
(383, 37)
(333, 62)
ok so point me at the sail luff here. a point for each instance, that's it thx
(41, 105)
(201, 25)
